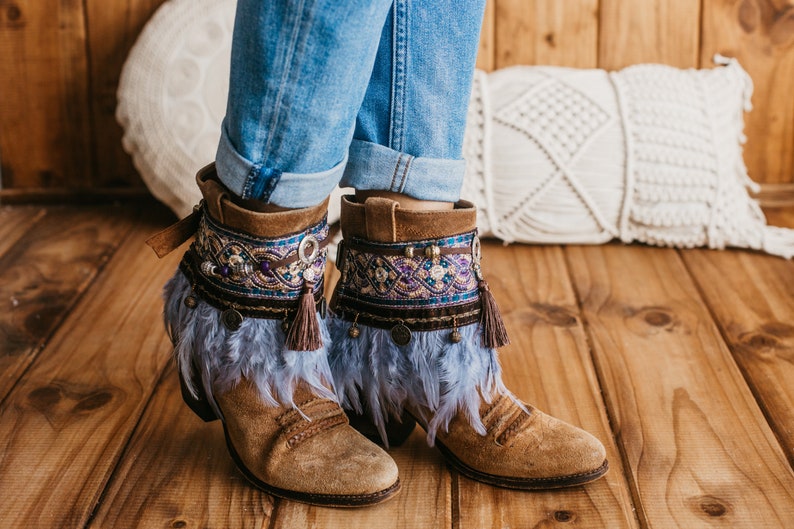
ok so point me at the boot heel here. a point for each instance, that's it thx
(396, 431)
(201, 405)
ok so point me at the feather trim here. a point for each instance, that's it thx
(255, 351)
(377, 377)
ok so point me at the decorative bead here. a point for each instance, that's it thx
(191, 302)
(432, 251)
(225, 271)
(409, 252)
(208, 268)
(265, 267)
(309, 275)
(231, 319)
(353, 331)
(455, 336)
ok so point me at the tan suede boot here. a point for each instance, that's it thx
(242, 312)
(415, 333)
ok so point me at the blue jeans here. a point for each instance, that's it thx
(372, 93)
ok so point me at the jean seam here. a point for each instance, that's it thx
(394, 174)
(399, 74)
(288, 56)
(405, 174)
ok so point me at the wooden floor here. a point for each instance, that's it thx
(682, 362)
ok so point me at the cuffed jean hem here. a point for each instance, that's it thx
(290, 190)
(374, 167)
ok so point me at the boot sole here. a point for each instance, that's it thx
(508, 482)
(201, 407)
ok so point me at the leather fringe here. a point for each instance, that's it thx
(494, 333)
(304, 331)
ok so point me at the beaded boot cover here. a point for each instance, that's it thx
(247, 306)
(414, 324)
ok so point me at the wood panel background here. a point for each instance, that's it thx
(60, 61)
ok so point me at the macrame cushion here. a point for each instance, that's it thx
(554, 155)
(649, 153)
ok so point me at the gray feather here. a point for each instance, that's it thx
(255, 351)
(375, 376)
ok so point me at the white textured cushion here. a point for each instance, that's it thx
(554, 155)
(649, 153)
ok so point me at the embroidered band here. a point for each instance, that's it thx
(256, 276)
(421, 285)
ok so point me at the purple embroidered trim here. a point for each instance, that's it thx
(241, 265)
(409, 275)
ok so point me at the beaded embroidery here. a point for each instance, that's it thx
(394, 280)
(421, 285)
(255, 276)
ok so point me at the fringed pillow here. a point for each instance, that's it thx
(649, 153)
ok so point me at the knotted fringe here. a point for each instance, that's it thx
(304, 331)
(377, 377)
(494, 333)
(256, 351)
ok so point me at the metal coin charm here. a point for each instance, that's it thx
(353, 331)
(231, 319)
(401, 334)
(455, 336)
(191, 301)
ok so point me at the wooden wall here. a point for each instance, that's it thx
(60, 61)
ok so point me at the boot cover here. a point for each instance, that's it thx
(247, 318)
(415, 330)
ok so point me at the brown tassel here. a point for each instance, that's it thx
(494, 333)
(304, 331)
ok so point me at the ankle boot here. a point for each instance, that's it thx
(415, 333)
(242, 312)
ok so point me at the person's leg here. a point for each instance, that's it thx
(409, 132)
(299, 72)
(415, 327)
(242, 310)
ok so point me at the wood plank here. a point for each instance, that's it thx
(45, 272)
(65, 424)
(111, 34)
(547, 32)
(176, 472)
(760, 33)
(548, 365)
(698, 450)
(752, 299)
(486, 55)
(660, 31)
(44, 117)
(776, 195)
(15, 224)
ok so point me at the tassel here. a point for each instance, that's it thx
(494, 333)
(304, 332)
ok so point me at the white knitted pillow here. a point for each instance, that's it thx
(649, 153)
(554, 155)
